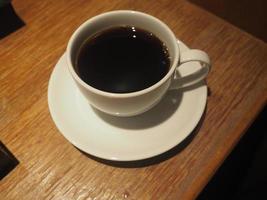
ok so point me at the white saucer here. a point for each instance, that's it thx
(124, 139)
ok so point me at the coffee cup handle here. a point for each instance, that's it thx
(192, 55)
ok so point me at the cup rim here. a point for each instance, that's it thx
(120, 95)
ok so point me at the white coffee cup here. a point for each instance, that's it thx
(130, 104)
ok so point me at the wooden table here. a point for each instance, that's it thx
(51, 168)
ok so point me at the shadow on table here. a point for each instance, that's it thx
(9, 20)
(151, 118)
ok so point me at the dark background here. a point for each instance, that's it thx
(243, 175)
(248, 15)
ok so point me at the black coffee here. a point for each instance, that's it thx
(122, 59)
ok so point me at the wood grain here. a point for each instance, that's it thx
(51, 168)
